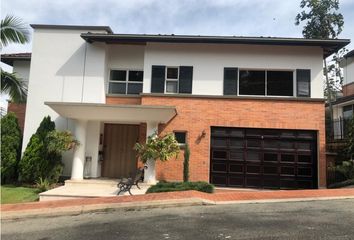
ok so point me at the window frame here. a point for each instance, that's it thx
(172, 79)
(186, 137)
(127, 70)
(265, 84)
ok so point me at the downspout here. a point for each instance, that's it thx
(83, 74)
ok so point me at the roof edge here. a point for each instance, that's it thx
(72, 27)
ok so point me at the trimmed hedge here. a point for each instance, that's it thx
(181, 186)
(11, 140)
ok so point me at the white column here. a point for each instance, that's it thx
(150, 173)
(77, 171)
(92, 145)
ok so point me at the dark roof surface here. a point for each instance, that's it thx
(329, 45)
(343, 99)
(10, 58)
(349, 54)
(72, 27)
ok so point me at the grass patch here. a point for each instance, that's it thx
(181, 186)
(342, 184)
(15, 194)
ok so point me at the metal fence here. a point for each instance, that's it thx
(337, 129)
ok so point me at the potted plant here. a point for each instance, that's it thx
(156, 148)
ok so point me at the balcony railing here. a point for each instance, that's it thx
(337, 129)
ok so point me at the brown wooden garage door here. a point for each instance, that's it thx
(263, 158)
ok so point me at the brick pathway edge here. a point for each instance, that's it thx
(170, 199)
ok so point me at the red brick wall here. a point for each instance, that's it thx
(196, 115)
(123, 100)
(348, 89)
(20, 110)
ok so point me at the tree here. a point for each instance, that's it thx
(187, 154)
(10, 147)
(322, 21)
(37, 162)
(156, 148)
(13, 30)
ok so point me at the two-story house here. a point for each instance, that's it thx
(343, 107)
(250, 108)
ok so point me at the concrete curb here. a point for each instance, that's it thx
(80, 209)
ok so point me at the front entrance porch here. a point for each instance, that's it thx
(116, 156)
(89, 188)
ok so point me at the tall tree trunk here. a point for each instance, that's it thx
(329, 93)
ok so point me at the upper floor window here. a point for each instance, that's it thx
(125, 82)
(348, 111)
(166, 79)
(266, 83)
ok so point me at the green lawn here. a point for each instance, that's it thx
(14, 194)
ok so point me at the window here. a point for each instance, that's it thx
(348, 111)
(125, 82)
(172, 75)
(252, 82)
(181, 137)
(280, 83)
(266, 83)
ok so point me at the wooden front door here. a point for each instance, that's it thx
(119, 156)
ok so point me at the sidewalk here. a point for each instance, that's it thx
(186, 198)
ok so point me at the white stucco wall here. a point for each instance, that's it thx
(22, 69)
(63, 68)
(209, 61)
(348, 70)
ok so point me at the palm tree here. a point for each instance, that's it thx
(13, 30)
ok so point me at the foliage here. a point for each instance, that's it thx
(342, 184)
(347, 169)
(13, 30)
(13, 86)
(38, 161)
(181, 186)
(43, 185)
(158, 148)
(15, 194)
(59, 142)
(349, 140)
(322, 19)
(11, 140)
(187, 153)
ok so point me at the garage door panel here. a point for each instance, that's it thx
(263, 158)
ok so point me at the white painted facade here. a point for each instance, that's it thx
(22, 69)
(65, 68)
(348, 70)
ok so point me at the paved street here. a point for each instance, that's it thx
(332, 219)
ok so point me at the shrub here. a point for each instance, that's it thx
(347, 169)
(43, 185)
(187, 153)
(11, 140)
(158, 147)
(38, 162)
(342, 184)
(181, 186)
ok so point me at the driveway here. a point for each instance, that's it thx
(332, 219)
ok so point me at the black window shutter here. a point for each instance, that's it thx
(185, 79)
(303, 82)
(230, 81)
(158, 79)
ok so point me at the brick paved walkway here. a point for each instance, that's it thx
(218, 197)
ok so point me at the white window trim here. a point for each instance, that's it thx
(172, 80)
(265, 72)
(127, 70)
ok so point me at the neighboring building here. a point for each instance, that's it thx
(20, 63)
(251, 109)
(343, 108)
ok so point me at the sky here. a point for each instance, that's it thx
(197, 17)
